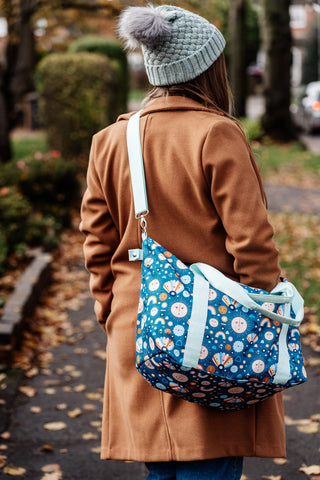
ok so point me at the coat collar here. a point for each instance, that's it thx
(170, 103)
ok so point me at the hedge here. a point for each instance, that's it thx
(114, 51)
(78, 97)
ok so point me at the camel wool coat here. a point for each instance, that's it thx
(206, 205)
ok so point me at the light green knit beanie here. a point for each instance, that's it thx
(177, 45)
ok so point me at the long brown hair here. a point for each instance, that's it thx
(211, 88)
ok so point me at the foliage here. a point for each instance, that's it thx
(298, 238)
(252, 128)
(47, 181)
(114, 51)
(77, 98)
(287, 163)
(20, 227)
(36, 198)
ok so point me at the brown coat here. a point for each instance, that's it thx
(206, 205)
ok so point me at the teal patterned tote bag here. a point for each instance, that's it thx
(202, 336)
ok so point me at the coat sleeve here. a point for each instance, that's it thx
(101, 240)
(238, 196)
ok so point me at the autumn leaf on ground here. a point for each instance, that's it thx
(100, 354)
(54, 426)
(14, 471)
(79, 388)
(75, 413)
(61, 406)
(93, 395)
(5, 435)
(96, 450)
(35, 409)
(89, 406)
(50, 391)
(52, 472)
(280, 461)
(32, 372)
(89, 436)
(311, 470)
(244, 477)
(315, 417)
(3, 447)
(3, 460)
(46, 448)
(272, 477)
(311, 427)
(28, 391)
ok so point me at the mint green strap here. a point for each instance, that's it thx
(238, 293)
(136, 166)
(197, 322)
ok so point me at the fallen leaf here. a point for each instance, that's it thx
(54, 426)
(100, 354)
(28, 391)
(89, 436)
(290, 421)
(3, 447)
(67, 388)
(280, 461)
(89, 406)
(61, 406)
(75, 373)
(93, 396)
(79, 388)
(95, 423)
(315, 417)
(272, 477)
(50, 391)
(32, 372)
(311, 427)
(3, 460)
(75, 413)
(46, 448)
(313, 361)
(35, 409)
(14, 471)
(96, 449)
(244, 477)
(81, 351)
(5, 435)
(52, 467)
(311, 470)
(63, 450)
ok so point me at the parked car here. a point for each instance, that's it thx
(307, 112)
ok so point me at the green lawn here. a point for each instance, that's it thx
(23, 147)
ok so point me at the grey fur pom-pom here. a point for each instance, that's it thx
(145, 25)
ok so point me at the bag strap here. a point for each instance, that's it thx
(136, 166)
(240, 294)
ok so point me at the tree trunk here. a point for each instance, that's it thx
(277, 120)
(238, 77)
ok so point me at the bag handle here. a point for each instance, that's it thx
(136, 166)
(238, 293)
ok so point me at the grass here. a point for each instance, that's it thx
(297, 236)
(23, 147)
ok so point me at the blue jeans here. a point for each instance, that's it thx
(228, 468)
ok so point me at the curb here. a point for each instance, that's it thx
(22, 302)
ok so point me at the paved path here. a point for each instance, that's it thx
(292, 199)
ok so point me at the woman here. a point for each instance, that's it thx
(207, 205)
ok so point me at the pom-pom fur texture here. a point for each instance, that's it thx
(143, 25)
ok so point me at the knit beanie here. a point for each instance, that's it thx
(177, 45)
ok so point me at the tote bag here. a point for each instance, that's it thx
(202, 336)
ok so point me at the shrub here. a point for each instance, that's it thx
(47, 181)
(76, 99)
(114, 51)
(21, 228)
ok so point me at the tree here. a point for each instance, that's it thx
(237, 69)
(277, 40)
